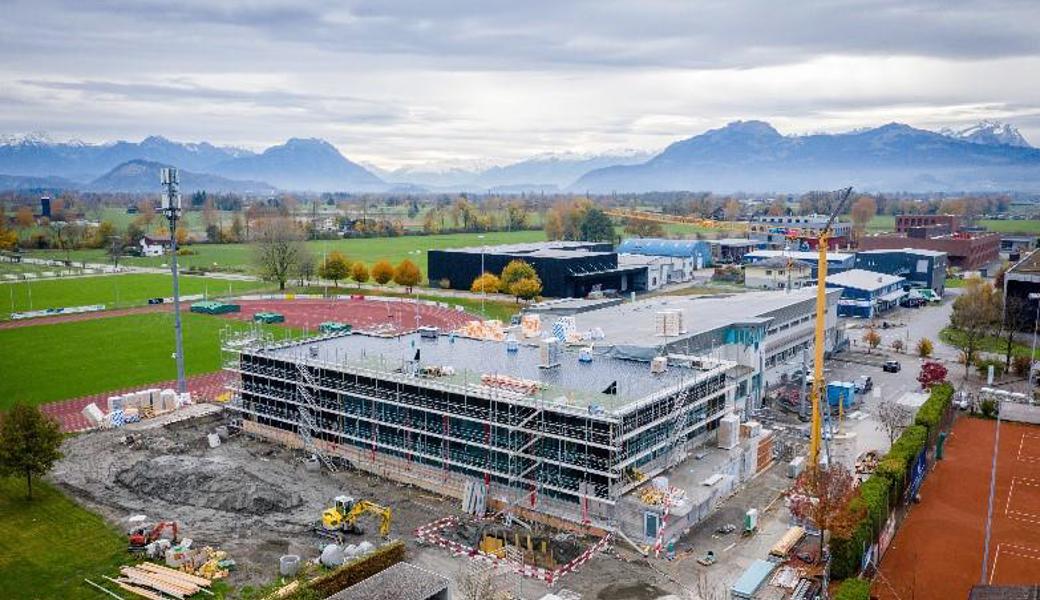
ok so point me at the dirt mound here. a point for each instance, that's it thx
(207, 483)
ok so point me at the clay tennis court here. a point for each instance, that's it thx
(937, 553)
(362, 314)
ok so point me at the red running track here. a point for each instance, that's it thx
(69, 413)
(363, 315)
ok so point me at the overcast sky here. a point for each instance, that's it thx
(403, 83)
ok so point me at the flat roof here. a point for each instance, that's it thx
(800, 255)
(633, 324)
(777, 262)
(734, 242)
(560, 249)
(571, 383)
(861, 279)
(918, 251)
(402, 581)
(1029, 264)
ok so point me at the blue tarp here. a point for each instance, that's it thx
(752, 579)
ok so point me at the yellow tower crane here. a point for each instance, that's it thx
(819, 342)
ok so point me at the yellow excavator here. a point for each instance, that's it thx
(344, 515)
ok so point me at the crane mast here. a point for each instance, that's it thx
(819, 340)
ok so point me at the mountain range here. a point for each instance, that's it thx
(748, 156)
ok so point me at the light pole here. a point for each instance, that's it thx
(171, 209)
(483, 285)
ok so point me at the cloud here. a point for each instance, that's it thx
(402, 82)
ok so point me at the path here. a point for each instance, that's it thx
(69, 413)
(86, 316)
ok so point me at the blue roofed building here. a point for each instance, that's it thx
(865, 293)
(836, 261)
(921, 268)
(680, 258)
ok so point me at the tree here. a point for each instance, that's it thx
(897, 345)
(643, 227)
(893, 418)
(382, 272)
(359, 273)
(924, 347)
(1020, 365)
(277, 249)
(526, 288)
(1015, 319)
(488, 283)
(114, 249)
(822, 494)
(23, 218)
(733, 209)
(69, 236)
(29, 443)
(516, 216)
(102, 234)
(335, 267)
(407, 274)
(8, 238)
(976, 313)
(182, 236)
(596, 226)
(863, 210)
(306, 266)
(932, 373)
(516, 270)
(871, 338)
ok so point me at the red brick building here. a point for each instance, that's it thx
(950, 222)
(966, 251)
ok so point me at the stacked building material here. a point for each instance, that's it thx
(483, 330)
(764, 451)
(513, 384)
(531, 326)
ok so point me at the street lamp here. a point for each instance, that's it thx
(171, 209)
(483, 285)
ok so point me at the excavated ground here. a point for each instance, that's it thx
(251, 498)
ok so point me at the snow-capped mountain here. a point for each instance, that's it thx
(992, 133)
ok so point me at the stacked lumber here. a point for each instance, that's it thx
(514, 384)
(483, 330)
(764, 452)
(152, 581)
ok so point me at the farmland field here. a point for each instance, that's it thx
(111, 290)
(238, 257)
(45, 363)
(886, 223)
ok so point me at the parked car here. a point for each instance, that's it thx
(891, 366)
(864, 384)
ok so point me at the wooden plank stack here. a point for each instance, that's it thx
(146, 579)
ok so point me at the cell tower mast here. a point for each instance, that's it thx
(171, 209)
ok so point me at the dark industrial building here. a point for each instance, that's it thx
(1021, 280)
(920, 268)
(567, 269)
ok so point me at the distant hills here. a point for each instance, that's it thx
(752, 156)
(748, 156)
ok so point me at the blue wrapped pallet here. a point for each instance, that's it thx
(841, 391)
(751, 580)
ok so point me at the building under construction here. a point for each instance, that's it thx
(555, 431)
(542, 430)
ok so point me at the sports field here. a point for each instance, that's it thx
(937, 553)
(45, 363)
(113, 291)
(239, 257)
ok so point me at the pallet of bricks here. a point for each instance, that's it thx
(761, 444)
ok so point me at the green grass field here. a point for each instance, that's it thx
(48, 545)
(111, 290)
(882, 223)
(239, 257)
(45, 363)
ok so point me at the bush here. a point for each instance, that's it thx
(444, 283)
(931, 412)
(988, 407)
(1020, 365)
(924, 347)
(983, 365)
(853, 589)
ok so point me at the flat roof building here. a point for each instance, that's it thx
(836, 261)
(866, 293)
(567, 269)
(803, 230)
(921, 268)
(777, 274)
(965, 251)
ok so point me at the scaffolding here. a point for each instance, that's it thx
(529, 452)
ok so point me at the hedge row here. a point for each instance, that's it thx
(931, 412)
(882, 490)
(352, 572)
(853, 589)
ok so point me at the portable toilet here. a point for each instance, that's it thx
(843, 392)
